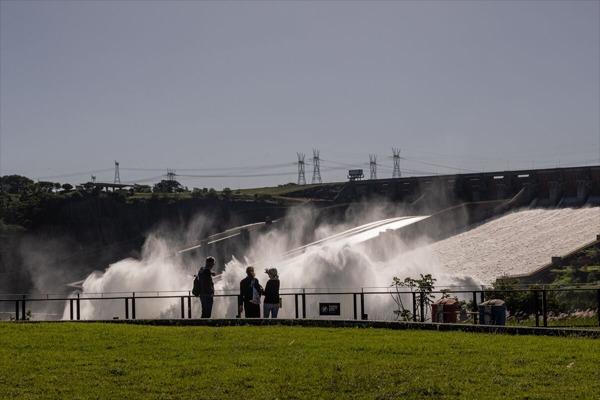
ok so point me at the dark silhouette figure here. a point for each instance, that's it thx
(207, 288)
(271, 304)
(250, 292)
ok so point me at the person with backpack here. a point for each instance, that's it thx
(250, 292)
(207, 288)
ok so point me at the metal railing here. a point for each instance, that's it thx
(538, 306)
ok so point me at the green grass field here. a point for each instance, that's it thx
(122, 361)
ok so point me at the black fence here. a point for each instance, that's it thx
(545, 307)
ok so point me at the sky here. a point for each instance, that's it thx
(227, 94)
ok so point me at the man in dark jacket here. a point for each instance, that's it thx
(250, 292)
(207, 288)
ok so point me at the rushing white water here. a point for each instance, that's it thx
(515, 243)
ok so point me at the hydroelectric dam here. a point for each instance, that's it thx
(449, 227)
(445, 205)
(555, 212)
(555, 187)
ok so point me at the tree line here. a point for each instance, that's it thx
(23, 201)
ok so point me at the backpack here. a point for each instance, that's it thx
(256, 292)
(196, 288)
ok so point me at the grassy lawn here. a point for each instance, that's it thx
(571, 322)
(120, 361)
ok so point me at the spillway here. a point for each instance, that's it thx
(513, 244)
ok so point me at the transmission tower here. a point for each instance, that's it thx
(316, 167)
(117, 178)
(396, 173)
(373, 165)
(301, 177)
(93, 178)
(170, 174)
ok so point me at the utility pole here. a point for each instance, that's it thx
(301, 177)
(316, 167)
(373, 165)
(396, 173)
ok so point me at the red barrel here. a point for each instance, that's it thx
(444, 310)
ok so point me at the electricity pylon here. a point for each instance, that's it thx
(301, 177)
(373, 165)
(396, 173)
(316, 167)
(117, 177)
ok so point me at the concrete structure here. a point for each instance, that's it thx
(557, 187)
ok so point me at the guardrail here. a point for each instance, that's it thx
(541, 306)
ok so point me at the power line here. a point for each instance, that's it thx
(320, 166)
(344, 164)
(75, 174)
(241, 168)
(234, 175)
(438, 165)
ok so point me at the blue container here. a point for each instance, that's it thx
(492, 312)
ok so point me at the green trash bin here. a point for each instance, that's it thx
(492, 312)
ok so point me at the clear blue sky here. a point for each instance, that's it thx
(231, 91)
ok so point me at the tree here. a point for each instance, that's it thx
(227, 193)
(142, 188)
(212, 194)
(520, 303)
(44, 187)
(67, 187)
(16, 184)
(167, 186)
(197, 193)
(423, 287)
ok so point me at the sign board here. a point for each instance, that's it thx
(354, 174)
(329, 308)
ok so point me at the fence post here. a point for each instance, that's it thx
(296, 304)
(303, 303)
(354, 303)
(422, 306)
(545, 308)
(190, 306)
(475, 309)
(536, 305)
(16, 310)
(363, 316)
(133, 305)
(182, 307)
(23, 313)
(71, 309)
(598, 309)
(126, 307)
(414, 304)
(78, 308)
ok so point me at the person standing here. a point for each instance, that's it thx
(271, 303)
(250, 292)
(207, 288)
